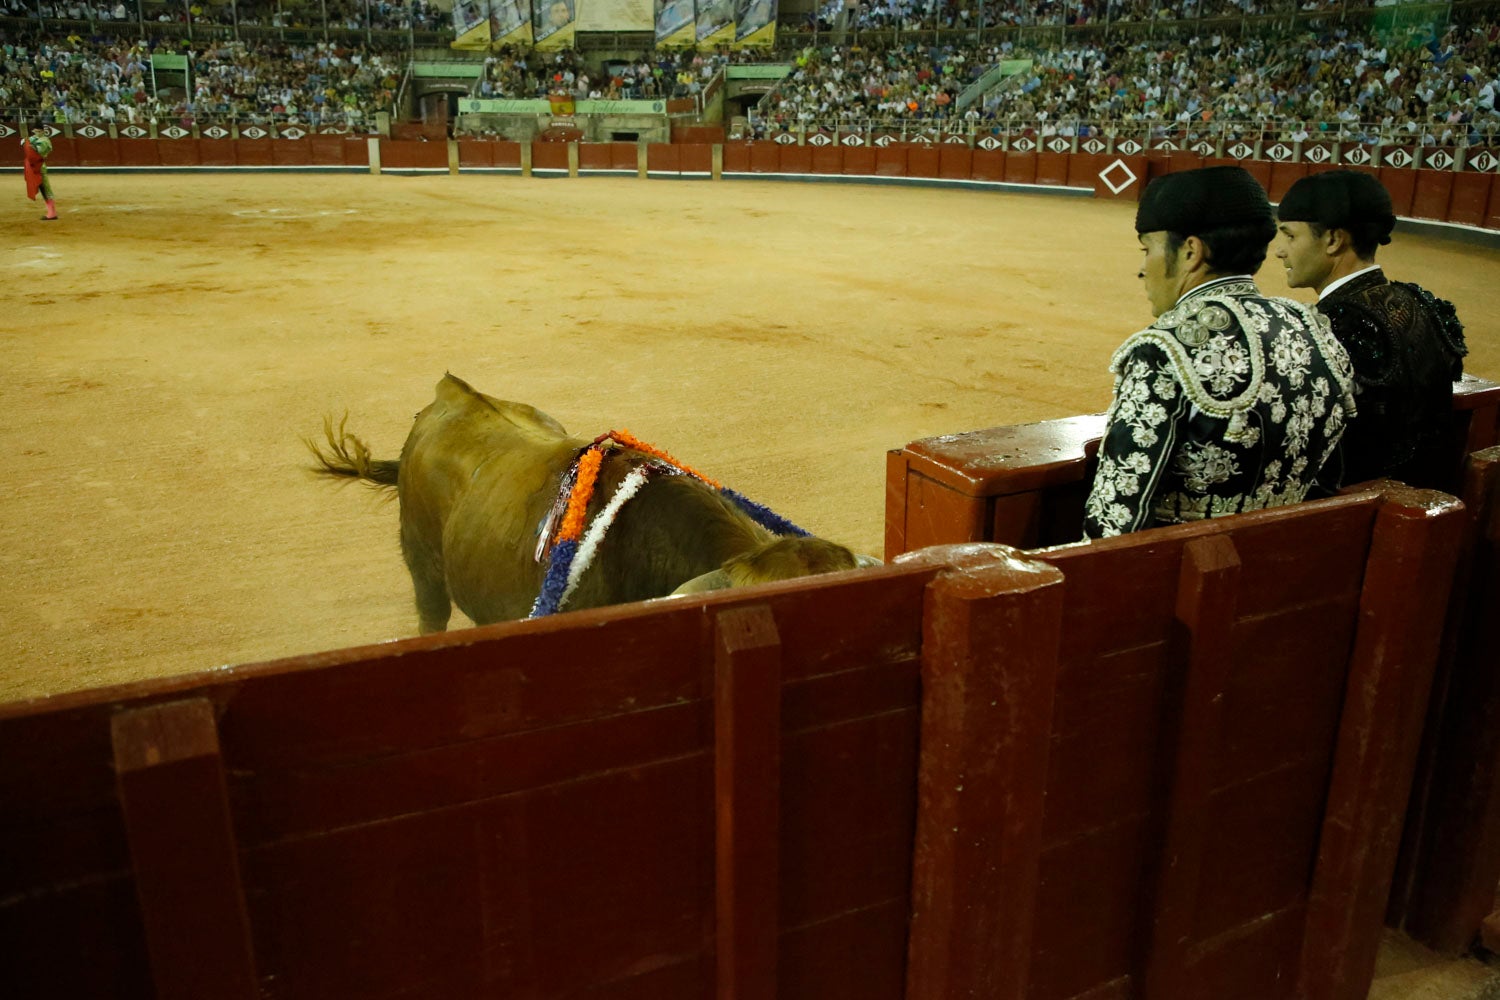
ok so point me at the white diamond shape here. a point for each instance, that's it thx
(1440, 160)
(1093, 146)
(819, 139)
(1204, 148)
(1130, 147)
(1024, 144)
(852, 140)
(1356, 155)
(1398, 158)
(254, 132)
(1280, 152)
(332, 130)
(292, 133)
(989, 142)
(957, 139)
(885, 140)
(1317, 154)
(1059, 145)
(787, 139)
(6, 130)
(135, 131)
(1485, 161)
(1240, 151)
(1120, 165)
(1166, 144)
(91, 131)
(922, 138)
(216, 132)
(175, 132)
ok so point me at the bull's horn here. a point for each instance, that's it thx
(863, 560)
(714, 579)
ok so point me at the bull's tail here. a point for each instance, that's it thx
(347, 457)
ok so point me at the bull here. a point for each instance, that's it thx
(479, 479)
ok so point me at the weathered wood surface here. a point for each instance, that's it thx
(1124, 768)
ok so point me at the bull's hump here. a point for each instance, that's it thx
(458, 396)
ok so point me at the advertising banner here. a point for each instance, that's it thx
(471, 24)
(675, 24)
(615, 15)
(715, 23)
(552, 23)
(510, 22)
(754, 23)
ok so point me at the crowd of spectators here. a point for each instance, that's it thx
(347, 15)
(110, 80)
(1439, 85)
(519, 73)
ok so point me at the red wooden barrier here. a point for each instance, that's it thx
(257, 152)
(1434, 189)
(765, 158)
(1402, 185)
(737, 158)
(1020, 168)
(796, 159)
(890, 161)
(595, 155)
(827, 160)
(859, 161)
(476, 153)
(550, 156)
(96, 152)
(956, 162)
(625, 156)
(989, 165)
(1470, 198)
(924, 161)
(1492, 214)
(668, 159)
(299, 153)
(1283, 176)
(218, 152)
(1051, 168)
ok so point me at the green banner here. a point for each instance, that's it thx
(168, 61)
(449, 69)
(493, 106)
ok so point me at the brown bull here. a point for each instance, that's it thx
(477, 479)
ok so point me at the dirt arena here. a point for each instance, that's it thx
(168, 343)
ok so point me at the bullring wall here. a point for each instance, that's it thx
(1468, 197)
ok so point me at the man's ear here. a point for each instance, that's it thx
(1193, 254)
(1337, 241)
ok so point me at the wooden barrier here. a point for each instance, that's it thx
(1027, 485)
(975, 773)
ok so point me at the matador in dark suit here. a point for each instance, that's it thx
(1407, 345)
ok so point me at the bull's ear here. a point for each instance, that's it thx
(715, 579)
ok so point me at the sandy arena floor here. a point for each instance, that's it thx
(165, 346)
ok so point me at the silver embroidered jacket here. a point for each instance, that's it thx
(1231, 401)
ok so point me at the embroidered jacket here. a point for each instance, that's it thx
(1231, 401)
(1407, 348)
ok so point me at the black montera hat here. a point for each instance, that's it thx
(1190, 202)
(1341, 199)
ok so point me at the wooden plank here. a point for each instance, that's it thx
(1447, 881)
(747, 797)
(1412, 558)
(989, 667)
(895, 503)
(1206, 596)
(171, 786)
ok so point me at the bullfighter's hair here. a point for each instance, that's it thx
(348, 458)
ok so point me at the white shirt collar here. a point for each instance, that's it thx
(1332, 285)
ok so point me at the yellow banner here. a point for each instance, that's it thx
(510, 22)
(715, 23)
(552, 23)
(476, 38)
(762, 38)
(615, 15)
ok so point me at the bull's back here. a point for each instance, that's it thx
(477, 476)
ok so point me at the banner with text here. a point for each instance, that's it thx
(471, 24)
(674, 24)
(715, 23)
(754, 23)
(510, 22)
(552, 23)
